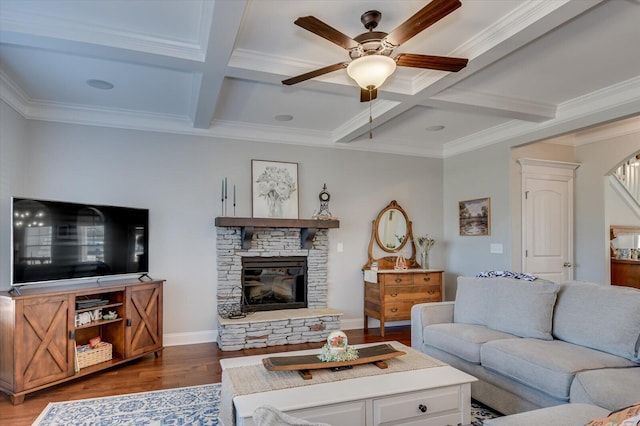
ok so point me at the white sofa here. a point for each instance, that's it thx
(537, 344)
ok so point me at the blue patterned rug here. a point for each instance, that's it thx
(196, 405)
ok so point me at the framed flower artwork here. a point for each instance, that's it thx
(274, 189)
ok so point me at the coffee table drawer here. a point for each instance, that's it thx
(418, 407)
(347, 414)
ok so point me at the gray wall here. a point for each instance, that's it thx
(178, 178)
(477, 174)
(13, 141)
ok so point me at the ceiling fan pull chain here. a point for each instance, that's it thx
(370, 117)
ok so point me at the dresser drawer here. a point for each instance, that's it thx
(398, 310)
(433, 293)
(396, 279)
(403, 292)
(417, 407)
(427, 278)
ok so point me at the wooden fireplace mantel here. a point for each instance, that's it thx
(308, 227)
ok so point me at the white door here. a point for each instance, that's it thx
(547, 219)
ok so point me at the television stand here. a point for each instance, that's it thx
(140, 278)
(42, 326)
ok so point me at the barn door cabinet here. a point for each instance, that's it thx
(40, 328)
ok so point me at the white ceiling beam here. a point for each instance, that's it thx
(225, 26)
(484, 103)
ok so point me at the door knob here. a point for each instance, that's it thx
(567, 264)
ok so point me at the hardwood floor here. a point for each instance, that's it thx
(179, 366)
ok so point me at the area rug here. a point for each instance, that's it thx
(196, 405)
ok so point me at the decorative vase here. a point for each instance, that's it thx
(424, 261)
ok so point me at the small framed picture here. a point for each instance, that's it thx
(274, 189)
(475, 217)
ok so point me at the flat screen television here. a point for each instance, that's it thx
(55, 240)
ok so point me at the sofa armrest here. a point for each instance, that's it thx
(424, 314)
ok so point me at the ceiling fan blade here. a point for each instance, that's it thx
(368, 95)
(316, 26)
(424, 18)
(442, 63)
(315, 73)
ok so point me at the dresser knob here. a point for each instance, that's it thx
(394, 309)
(427, 278)
(394, 294)
(398, 280)
(422, 408)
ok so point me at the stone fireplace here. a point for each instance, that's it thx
(251, 276)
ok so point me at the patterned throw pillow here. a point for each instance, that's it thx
(629, 416)
(506, 274)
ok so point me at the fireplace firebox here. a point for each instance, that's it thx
(272, 283)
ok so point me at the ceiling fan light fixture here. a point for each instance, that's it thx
(371, 71)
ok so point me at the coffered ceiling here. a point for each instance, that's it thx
(214, 67)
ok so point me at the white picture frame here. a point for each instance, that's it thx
(274, 189)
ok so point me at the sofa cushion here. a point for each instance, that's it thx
(559, 415)
(548, 366)
(524, 309)
(461, 340)
(601, 317)
(505, 304)
(473, 297)
(611, 388)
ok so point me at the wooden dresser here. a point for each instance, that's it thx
(625, 272)
(389, 294)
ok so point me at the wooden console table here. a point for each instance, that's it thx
(389, 294)
(39, 332)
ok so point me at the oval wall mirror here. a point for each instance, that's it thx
(391, 228)
(391, 232)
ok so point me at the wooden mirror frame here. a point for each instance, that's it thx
(388, 262)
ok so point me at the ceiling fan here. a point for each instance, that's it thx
(370, 52)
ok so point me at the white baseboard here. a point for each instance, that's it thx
(351, 323)
(190, 338)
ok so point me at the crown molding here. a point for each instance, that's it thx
(59, 28)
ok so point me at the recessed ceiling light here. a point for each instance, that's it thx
(283, 117)
(434, 128)
(100, 84)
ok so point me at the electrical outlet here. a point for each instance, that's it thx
(340, 247)
(495, 248)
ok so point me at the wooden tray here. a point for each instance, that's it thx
(304, 363)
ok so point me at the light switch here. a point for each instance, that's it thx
(340, 247)
(495, 248)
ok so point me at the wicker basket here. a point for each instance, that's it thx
(101, 353)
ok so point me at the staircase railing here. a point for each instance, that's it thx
(628, 174)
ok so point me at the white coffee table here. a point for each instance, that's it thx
(435, 396)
